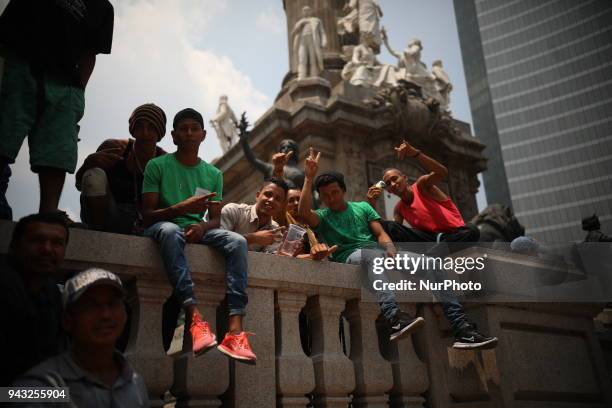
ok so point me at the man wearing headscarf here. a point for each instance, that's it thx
(110, 180)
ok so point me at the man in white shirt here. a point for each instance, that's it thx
(254, 221)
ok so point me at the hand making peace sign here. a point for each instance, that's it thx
(312, 164)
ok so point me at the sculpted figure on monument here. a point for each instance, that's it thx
(288, 152)
(443, 84)
(225, 124)
(364, 16)
(497, 222)
(363, 69)
(309, 39)
(410, 67)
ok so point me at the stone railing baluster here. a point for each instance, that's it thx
(202, 379)
(373, 375)
(146, 353)
(410, 376)
(255, 386)
(294, 370)
(334, 373)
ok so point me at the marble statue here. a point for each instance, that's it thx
(309, 39)
(363, 69)
(410, 67)
(225, 124)
(363, 15)
(442, 83)
(293, 173)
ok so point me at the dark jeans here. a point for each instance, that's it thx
(453, 310)
(400, 233)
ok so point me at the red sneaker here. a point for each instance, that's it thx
(237, 347)
(203, 339)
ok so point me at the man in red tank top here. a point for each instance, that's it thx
(432, 214)
(434, 218)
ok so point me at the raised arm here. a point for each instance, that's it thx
(378, 9)
(373, 194)
(263, 167)
(383, 33)
(279, 161)
(305, 206)
(437, 172)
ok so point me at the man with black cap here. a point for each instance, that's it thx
(181, 203)
(96, 374)
(110, 180)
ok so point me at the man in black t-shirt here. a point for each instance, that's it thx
(49, 50)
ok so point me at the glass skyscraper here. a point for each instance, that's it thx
(539, 75)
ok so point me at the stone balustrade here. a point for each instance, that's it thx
(547, 353)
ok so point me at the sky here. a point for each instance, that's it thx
(186, 53)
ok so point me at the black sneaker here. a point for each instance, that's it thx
(469, 338)
(403, 324)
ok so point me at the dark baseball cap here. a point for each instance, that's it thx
(188, 113)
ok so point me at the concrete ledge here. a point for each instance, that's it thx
(132, 255)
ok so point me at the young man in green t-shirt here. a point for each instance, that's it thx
(355, 227)
(351, 226)
(178, 190)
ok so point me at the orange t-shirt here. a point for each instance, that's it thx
(428, 214)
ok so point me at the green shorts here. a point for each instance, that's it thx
(45, 109)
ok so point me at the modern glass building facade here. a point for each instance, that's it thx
(539, 75)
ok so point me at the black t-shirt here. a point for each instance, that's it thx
(31, 325)
(54, 34)
(125, 185)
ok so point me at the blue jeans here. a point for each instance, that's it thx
(233, 246)
(453, 310)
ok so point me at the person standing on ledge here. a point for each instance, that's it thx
(50, 50)
(432, 214)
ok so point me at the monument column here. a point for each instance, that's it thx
(328, 11)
